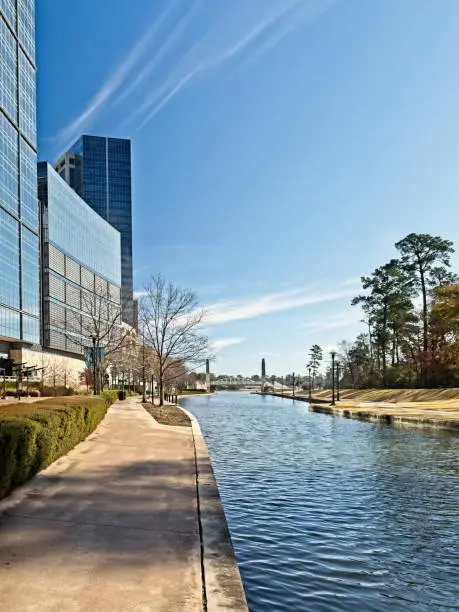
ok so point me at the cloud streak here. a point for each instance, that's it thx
(112, 83)
(176, 50)
(223, 343)
(227, 312)
(337, 321)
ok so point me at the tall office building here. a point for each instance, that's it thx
(99, 170)
(19, 214)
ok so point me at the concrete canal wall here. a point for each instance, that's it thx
(221, 578)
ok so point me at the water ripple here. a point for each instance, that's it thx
(334, 515)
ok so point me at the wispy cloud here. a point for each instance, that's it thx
(349, 318)
(222, 343)
(113, 83)
(177, 50)
(225, 312)
(254, 42)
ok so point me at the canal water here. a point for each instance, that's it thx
(330, 514)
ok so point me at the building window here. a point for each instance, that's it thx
(10, 325)
(9, 260)
(56, 260)
(9, 163)
(30, 329)
(8, 8)
(30, 272)
(26, 26)
(8, 71)
(29, 199)
(56, 288)
(27, 98)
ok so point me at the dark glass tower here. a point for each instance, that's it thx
(99, 170)
(19, 217)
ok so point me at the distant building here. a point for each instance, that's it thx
(98, 168)
(81, 255)
(19, 215)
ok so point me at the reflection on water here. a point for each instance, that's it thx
(331, 514)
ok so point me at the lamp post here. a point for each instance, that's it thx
(94, 367)
(293, 384)
(333, 403)
(3, 371)
(309, 379)
(338, 366)
(144, 382)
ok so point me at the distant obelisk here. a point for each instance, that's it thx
(263, 375)
(207, 376)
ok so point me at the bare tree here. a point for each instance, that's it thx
(53, 372)
(98, 326)
(171, 321)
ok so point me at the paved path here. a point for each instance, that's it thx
(111, 526)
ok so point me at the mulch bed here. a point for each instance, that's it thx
(168, 415)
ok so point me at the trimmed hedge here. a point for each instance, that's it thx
(32, 436)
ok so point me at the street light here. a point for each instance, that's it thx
(144, 382)
(309, 378)
(3, 371)
(293, 384)
(333, 353)
(337, 380)
(94, 369)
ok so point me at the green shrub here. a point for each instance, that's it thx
(34, 435)
(110, 396)
(58, 390)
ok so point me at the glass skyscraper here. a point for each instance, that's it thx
(19, 213)
(99, 170)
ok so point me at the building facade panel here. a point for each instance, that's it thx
(9, 181)
(19, 217)
(74, 228)
(8, 71)
(10, 294)
(30, 270)
(8, 8)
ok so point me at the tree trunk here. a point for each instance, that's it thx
(161, 387)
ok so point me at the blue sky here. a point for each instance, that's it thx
(280, 147)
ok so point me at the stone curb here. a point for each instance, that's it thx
(223, 584)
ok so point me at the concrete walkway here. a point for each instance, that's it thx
(112, 526)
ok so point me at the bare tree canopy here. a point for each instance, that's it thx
(171, 324)
(98, 324)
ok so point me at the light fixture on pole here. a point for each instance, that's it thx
(338, 365)
(333, 354)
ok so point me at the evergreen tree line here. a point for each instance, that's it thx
(411, 312)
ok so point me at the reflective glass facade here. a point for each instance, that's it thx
(81, 258)
(99, 169)
(75, 228)
(19, 213)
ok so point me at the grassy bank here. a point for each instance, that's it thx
(392, 395)
(33, 435)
